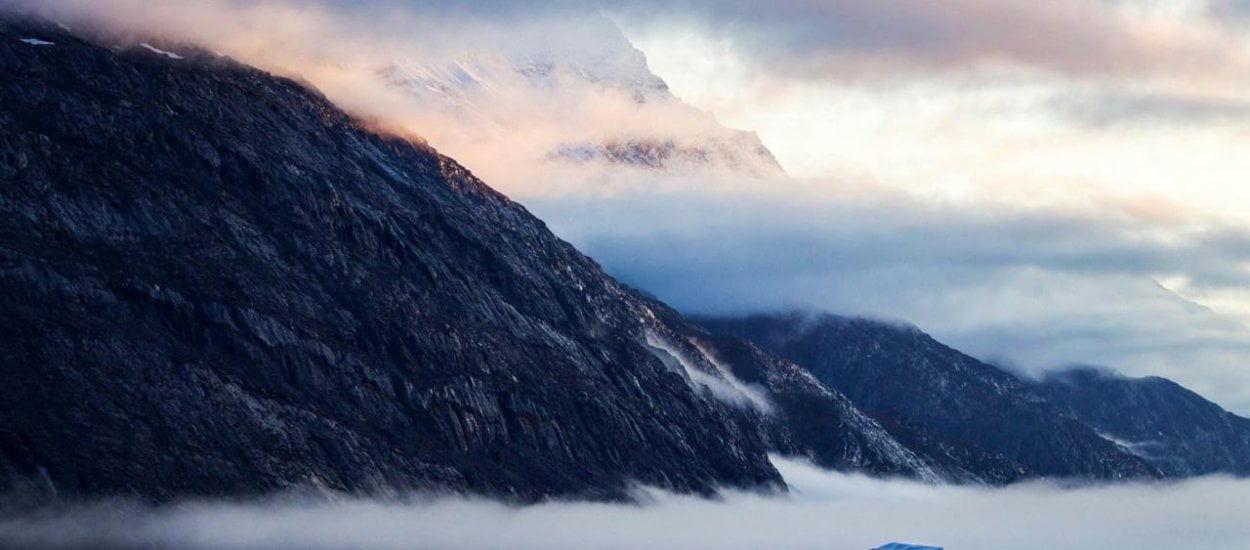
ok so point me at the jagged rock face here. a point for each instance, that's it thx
(969, 418)
(214, 282)
(788, 407)
(1175, 429)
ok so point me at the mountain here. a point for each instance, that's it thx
(958, 413)
(1176, 430)
(801, 416)
(559, 93)
(214, 282)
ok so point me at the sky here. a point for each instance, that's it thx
(823, 510)
(1039, 184)
(1031, 145)
(1036, 183)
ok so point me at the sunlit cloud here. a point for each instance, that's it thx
(834, 39)
(996, 123)
(993, 122)
(522, 102)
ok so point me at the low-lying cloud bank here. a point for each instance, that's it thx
(825, 510)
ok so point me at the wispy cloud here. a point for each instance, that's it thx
(1143, 108)
(840, 38)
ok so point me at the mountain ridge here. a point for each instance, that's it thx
(953, 410)
(1170, 426)
(221, 284)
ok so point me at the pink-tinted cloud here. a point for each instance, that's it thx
(836, 38)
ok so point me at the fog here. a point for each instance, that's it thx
(824, 510)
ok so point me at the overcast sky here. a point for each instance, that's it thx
(1037, 183)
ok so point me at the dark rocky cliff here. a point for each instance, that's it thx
(1173, 428)
(959, 414)
(212, 281)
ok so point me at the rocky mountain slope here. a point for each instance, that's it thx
(212, 281)
(1176, 430)
(953, 410)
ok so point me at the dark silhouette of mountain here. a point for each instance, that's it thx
(959, 414)
(212, 281)
(1176, 430)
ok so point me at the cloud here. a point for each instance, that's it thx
(827, 39)
(1232, 12)
(825, 510)
(841, 38)
(1115, 108)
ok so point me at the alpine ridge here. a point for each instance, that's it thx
(1173, 428)
(958, 413)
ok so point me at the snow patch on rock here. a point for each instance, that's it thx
(159, 51)
(722, 384)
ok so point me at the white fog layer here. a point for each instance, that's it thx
(824, 510)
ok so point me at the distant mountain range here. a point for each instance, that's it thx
(989, 424)
(215, 282)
